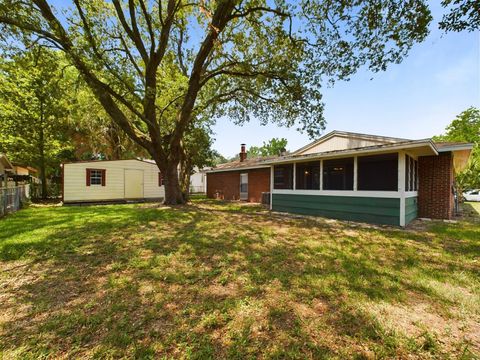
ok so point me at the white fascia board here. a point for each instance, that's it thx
(456, 147)
(357, 151)
(239, 168)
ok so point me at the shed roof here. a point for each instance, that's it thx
(6, 163)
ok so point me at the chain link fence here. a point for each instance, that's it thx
(12, 198)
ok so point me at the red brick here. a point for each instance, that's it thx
(226, 185)
(436, 178)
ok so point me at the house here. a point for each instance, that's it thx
(5, 166)
(198, 181)
(350, 176)
(111, 181)
(24, 170)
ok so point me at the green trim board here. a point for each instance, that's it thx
(411, 209)
(354, 208)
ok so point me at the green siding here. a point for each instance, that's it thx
(411, 210)
(355, 208)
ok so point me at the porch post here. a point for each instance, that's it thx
(401, 185)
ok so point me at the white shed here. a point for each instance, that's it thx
(112, 180)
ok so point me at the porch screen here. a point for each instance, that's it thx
(308, 176)
(378, 172)
(411, 174)
(338, 174)
(283, 176)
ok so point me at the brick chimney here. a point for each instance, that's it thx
(243, 153)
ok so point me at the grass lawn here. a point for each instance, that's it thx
(224, 280)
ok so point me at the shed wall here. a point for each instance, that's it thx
(75, 188)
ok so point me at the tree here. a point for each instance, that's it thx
(93, 133)
(33, 111)
(218, 158)
(462, 15)
(197, 153)
(466, 128)
(273, 147)
(157, 66)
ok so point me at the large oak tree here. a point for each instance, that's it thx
(157, 66)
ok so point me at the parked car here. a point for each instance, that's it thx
(472, 195)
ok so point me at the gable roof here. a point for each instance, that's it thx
(347, 134)
(6, 163)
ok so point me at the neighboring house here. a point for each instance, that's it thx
(350, 176)
(5, 166)
(23, 170)
(198, 181)
(115, 180)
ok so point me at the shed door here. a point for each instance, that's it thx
(133, 184)
(244, 186)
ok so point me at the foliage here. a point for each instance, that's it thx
(93, 133)
(273, 147)
(466, 128)
(218, 158)
(197, 154)
(33, 111)
(462, 15)
(216, 280)
(157, 66)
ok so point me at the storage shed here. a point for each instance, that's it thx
(111, 181)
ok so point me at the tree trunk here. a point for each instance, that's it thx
(173, 192)
(41, 148)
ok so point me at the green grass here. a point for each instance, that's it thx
(226, 280)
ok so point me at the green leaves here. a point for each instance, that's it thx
(273, 147)
(466, 128)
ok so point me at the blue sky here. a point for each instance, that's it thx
(415, 99)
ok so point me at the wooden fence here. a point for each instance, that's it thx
(12, 198)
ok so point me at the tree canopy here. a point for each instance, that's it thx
(273, 147)
(466, 128)
(158, 66)
(34, 111)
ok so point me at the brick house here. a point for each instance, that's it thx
(350, 176)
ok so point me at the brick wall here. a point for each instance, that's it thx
(435, 197)
(226, 185)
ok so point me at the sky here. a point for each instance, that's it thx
(415, 99)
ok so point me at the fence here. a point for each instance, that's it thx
(12, 198)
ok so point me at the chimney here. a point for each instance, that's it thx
(243, 153)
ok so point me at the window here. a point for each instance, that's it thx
(378, 172)
(308, 176)
(96, 177)
(338, 174)
(283, 176)
(411, 174)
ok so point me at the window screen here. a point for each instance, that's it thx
(96, 177)
(411, 174)
(308, 175)
(338, 174)
(283, 176)
(378, 172)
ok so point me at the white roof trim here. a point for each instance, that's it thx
(457, 147)
(338, 153)
(333, 133)
(237, 168)
(366, 150)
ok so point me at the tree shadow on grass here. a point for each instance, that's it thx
(200, 283)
